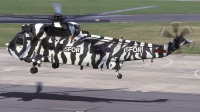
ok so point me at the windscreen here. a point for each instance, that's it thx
(20, 39)
(19, 42)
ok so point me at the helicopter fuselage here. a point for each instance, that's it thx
(68, 44)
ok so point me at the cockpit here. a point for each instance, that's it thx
(35, 32)
(17, 44)
(20, 39)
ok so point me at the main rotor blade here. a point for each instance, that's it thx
(49, 21)
(25, 21)
(186, 30)
(57, 7)
(124, 10)
(25, 16)
(87, 21)
(107, 13)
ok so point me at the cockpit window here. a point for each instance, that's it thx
(20, 39)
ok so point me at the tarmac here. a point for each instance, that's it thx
(168, 84)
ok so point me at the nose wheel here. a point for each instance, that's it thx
(119, 75)
(34, 70)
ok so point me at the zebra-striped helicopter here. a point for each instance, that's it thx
(64, 42)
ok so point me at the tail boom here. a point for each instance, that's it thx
(170, 47)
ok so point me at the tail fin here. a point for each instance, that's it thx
(175, 44)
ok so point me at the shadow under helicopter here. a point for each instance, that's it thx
(63, 96)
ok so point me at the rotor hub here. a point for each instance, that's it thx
(57, 17)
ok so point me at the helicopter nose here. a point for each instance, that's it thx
(10, 45)
(10, 49)
(7, 44)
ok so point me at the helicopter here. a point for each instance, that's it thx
(58, 39)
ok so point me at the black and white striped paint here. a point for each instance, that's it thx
(85, 49)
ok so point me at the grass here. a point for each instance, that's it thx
(146, 32)
(96, 6)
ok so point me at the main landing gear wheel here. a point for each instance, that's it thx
(119, 76)
(55, 65)
(34, 70)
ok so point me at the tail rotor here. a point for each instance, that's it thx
(175, 26)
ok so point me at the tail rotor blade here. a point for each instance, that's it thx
(175, 26)
(186, 30)
(165, 33)
(190, 45)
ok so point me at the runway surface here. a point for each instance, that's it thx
(167, 85)
(118, 18)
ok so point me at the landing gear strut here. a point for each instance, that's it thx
(34, 69)
(119, 75)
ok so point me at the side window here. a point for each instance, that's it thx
(60, 47)
(77, 30)
(20, 39)
(51, 46)
(98, 50)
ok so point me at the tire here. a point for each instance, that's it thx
(34, 70)
(119, 76)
